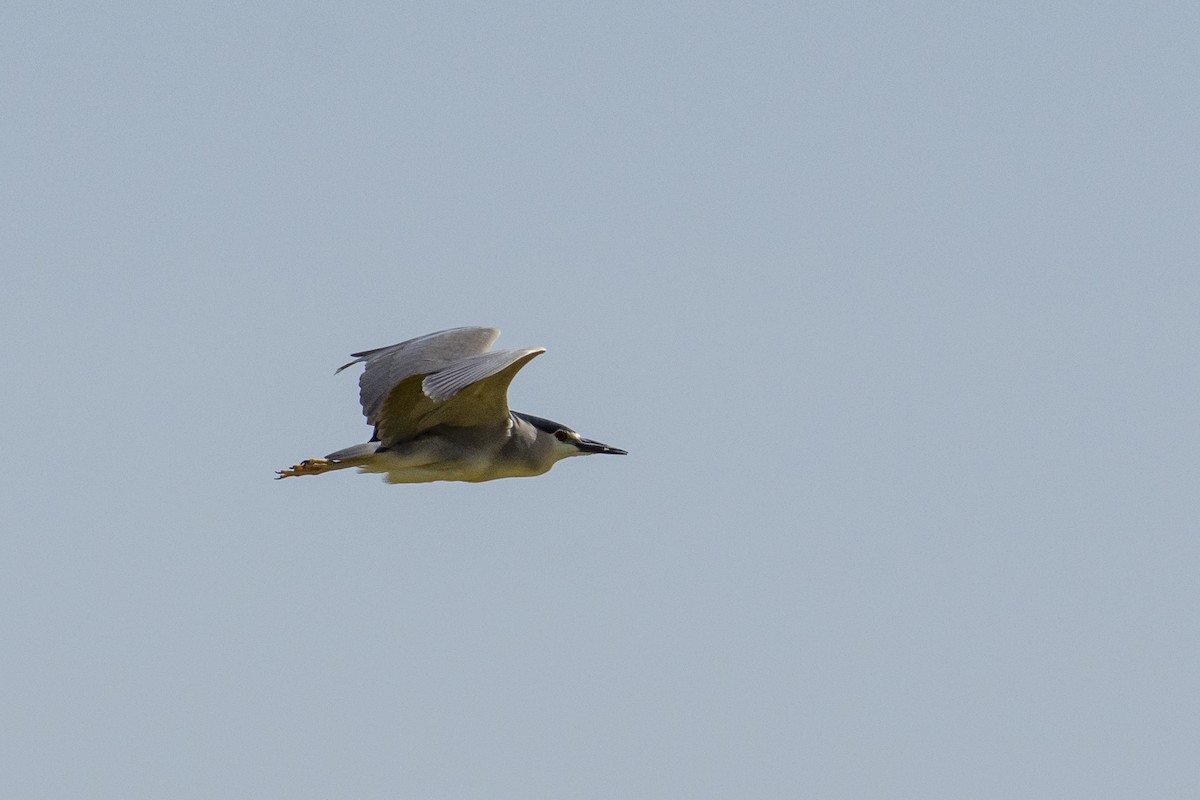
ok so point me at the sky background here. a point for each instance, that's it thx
(894, 306)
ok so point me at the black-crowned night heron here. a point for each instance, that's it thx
(439, 404)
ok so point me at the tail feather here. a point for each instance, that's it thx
(364, 450)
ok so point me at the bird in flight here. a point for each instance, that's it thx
(439, 405)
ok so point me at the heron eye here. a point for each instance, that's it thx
(561, 435)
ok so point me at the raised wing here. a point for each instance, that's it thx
(467, 393)
(387, 367)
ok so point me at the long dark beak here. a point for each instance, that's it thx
(588, 446)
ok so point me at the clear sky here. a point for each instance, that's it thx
(894, 306)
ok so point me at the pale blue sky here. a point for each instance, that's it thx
(893, 305)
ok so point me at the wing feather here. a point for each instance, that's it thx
(388, 367)
(470, 392)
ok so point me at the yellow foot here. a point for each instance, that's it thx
(309, 466)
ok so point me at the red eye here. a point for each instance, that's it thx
(561, 435)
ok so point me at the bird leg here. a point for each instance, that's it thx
(309, 466)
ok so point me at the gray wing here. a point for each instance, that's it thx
(470, 392)
(386, 367)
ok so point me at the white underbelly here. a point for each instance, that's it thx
(398, 468)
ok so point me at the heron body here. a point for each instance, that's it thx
(439, 404)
